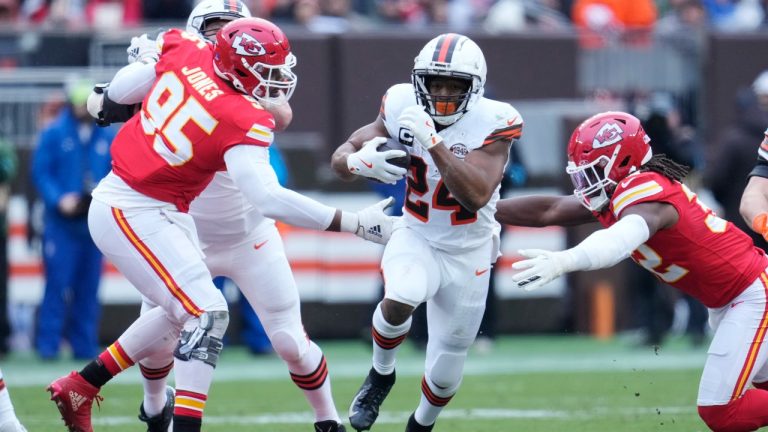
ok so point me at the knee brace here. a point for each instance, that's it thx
(446, 371)
(204, 342)
(289, 345)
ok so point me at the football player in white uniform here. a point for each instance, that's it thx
(442, 249)
(241, 243)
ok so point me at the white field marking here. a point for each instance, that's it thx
(18, 374)
(398, 417)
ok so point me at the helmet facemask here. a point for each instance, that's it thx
(592, 183)
(276, 83)
(444, 110)
(202, 23)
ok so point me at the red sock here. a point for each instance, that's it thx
(745, 414)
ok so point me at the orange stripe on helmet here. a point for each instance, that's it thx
(445, 48)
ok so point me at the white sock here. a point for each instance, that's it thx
(154, 380)
(307, 373)
(387, 339)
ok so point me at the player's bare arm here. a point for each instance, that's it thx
(473, 180)
(754, 204)
(657, 215)
(542, 210)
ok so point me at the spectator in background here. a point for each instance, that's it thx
(9, 11)
(734, 15)
(733, 157)
(8, 168)
(516, 15)
(72, 155)
(603, 21)
(167, 10)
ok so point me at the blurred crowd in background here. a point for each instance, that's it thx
(334, 16)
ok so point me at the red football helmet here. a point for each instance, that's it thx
(255, 56)
(604, 149)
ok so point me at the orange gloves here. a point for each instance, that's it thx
(760, 224)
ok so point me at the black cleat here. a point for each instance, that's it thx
(365, 405)
(414, 426)
(329, 426)
(162, 421)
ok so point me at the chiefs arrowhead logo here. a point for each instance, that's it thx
(246, 45)
(609, 134)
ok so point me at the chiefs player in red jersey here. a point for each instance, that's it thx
(202, 112)
(650, 216)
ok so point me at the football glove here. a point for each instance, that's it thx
(541, 268)
(760, 225)
(373, 224)
(369, 162)
(105, 110)
(421, 125)
(142, 49)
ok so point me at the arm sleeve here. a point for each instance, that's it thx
(253, 175)
(609, 246)
(132, 83)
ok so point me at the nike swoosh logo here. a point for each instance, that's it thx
(480, 272)
(626, 182)
(733, 305)
(369, 165)
(259, 245)
(511, 122)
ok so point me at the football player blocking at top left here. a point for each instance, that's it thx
(442, 250)
(650, 216)
(162, 159)
(241, 243)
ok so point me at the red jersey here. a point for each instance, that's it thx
(188, 120)
(702, 254)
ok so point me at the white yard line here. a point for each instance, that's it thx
(399, 417)
(20, 375)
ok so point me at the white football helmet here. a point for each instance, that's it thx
(449, 55)
(210, 10)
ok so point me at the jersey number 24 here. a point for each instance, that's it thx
(441, 198)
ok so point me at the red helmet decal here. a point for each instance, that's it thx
(610, 133)
(246, 45)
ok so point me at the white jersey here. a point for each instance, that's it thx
(222, 212)
(429, 207)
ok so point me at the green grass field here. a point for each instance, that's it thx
(528, 384)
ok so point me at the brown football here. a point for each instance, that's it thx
(403, 162)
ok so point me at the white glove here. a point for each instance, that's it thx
(541, 268)
(95, 104)
(370, 223)
(421, 125)
(368, 162)
(142, 49)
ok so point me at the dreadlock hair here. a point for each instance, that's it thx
(665, 166)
